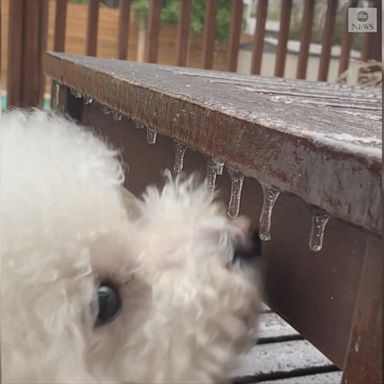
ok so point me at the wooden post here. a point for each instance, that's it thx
(26, 41)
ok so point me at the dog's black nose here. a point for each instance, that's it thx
(249, 251)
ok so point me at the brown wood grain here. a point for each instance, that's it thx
(218, 122)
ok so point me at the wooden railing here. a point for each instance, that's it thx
(27, 40)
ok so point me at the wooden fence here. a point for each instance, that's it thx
(35, 25)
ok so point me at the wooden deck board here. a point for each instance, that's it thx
(283, 357)
(278, 360)
(272, 326)
(329, 136)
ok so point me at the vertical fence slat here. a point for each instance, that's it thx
(153, 30)
(43, 39)
(183, 32)
(15, 52)
(234, 34)
(92, 27)
(281, 53)
(372, 45)
(60, 25)
(346, 41)
(209, 33)
(305, 39)
(30, 53)
(123, 29)
(258, 38)
(329, 27)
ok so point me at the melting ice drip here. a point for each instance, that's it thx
(117, 116)
(76, 94)
(214, 168)
(319, 221)
(270, 195)
(88, 100)
(236, 188)
(106, 110)
(151, 135)
(179, 158)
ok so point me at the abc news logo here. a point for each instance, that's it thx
(362, 20)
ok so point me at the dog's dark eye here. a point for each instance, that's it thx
(109, 303)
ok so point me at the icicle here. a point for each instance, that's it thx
(76, 94)
(179, 158)
(117, 116)
(151, 135)
(236, 187)
(319, 221)
(270, 195)
(106, 110)
(88, 100)
(214, 168)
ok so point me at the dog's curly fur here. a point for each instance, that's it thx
(186, 308)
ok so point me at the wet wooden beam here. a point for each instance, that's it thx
(315, 140)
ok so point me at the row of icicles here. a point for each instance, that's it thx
(215, 167)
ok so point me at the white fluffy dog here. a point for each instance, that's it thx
(93, 294)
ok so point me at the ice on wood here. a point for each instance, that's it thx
(270, 195)
(179, 157)
(76, 94)
(236, 188)
(106, 110)
(88, 100)
(151, 135)
(214, 168)
(319, 221)
(117, 116)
